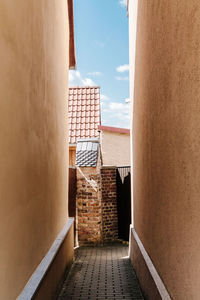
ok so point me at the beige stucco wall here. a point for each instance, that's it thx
(115, 148)
(167, 141)
(33, 129)
(61, 265)
(132, 11)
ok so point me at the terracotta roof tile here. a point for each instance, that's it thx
(87, 132)
(73, 120)
(83, 126)
(83, 123)
(84, 113)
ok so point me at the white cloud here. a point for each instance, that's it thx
(122, 78)
(74, 76)
(116, 114)
(122, 68)
(123, 3)
(104, 97)
(95, 73)
(127, 100)
(118, 107)
(88, 82)
(76, 79)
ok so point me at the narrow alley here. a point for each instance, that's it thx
(103, 272)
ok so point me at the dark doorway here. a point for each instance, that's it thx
(72, 196)
(123, 178)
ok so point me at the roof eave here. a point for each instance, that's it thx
(128, 8)
(72, 55)
(114, 129)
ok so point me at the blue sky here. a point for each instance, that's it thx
(101, 34)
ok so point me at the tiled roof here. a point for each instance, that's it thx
(84, 113)
(87, 152)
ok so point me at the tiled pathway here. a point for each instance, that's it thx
(101, 273)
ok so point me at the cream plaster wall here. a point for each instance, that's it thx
(167, 141)
(33, 134)
(133, 12)
(115, 149)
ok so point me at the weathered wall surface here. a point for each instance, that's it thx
(167, 141)
(115, 149)
(33, 129)
(97, 219)
(89, 207)
(109, 204)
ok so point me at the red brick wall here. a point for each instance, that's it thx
(88, 203)
(109, 204)
(97, 219)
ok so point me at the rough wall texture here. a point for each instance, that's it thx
(96, 210)
(109, 204)
(88, 203)
(167, 141)
(33, 128)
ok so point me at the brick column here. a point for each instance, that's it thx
(109, 204)
(88, 204)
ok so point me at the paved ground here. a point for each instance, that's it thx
(101, 273)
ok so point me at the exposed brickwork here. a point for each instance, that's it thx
(109, 204)
(88, 203)
(97, 219)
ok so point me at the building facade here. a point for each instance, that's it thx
(36, 52)
(115, 146)
(165, 95)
